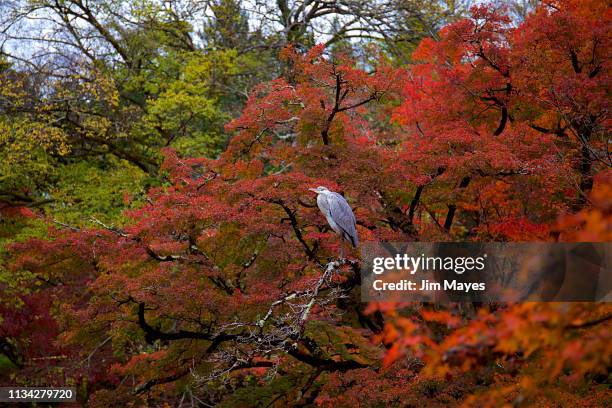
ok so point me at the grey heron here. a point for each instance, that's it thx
(338, 213)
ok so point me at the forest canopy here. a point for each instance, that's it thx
(158, 242)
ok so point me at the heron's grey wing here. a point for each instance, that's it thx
(343, 216)
(323, 204)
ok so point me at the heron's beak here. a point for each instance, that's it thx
(313, 189)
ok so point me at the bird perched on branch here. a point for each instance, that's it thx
(338, 213)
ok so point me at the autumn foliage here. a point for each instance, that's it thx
(225, 286)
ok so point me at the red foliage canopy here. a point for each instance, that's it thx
(228, 272)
